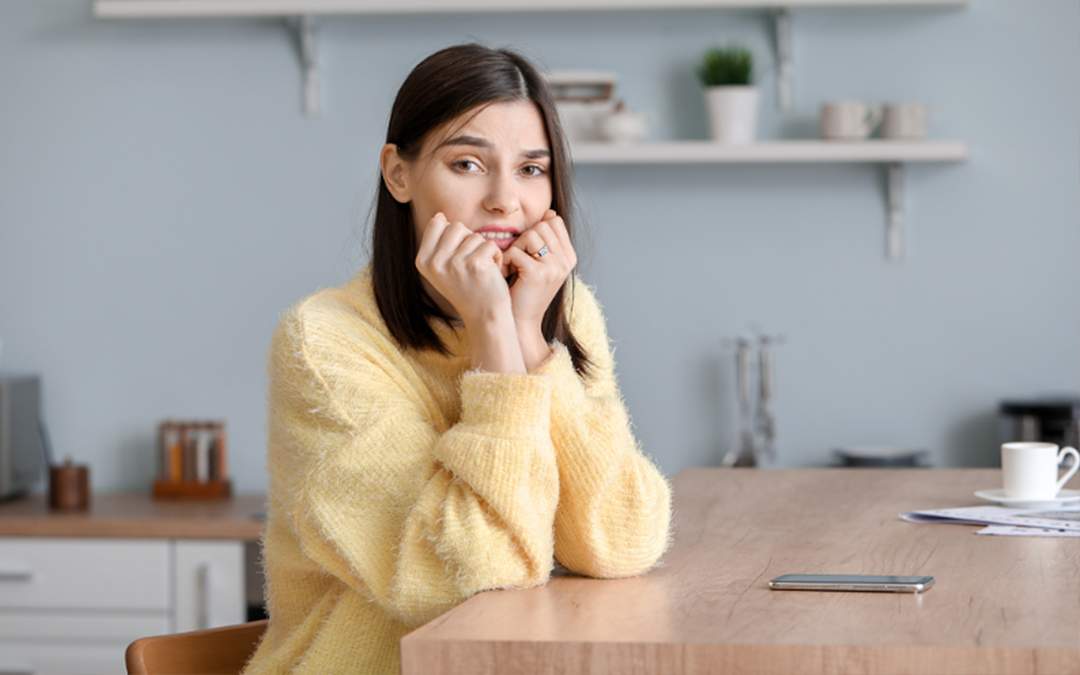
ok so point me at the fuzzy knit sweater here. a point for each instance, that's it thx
(404, 482)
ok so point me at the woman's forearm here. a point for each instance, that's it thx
(494, 347)
(534, 348)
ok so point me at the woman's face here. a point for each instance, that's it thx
(493, 171)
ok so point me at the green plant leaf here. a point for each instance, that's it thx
(726, 67)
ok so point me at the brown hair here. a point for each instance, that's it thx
(444, 85)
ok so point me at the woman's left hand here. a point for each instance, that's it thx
(539, 279)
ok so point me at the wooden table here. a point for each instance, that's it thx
(1000, 604)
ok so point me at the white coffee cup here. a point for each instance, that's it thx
(849, 120)
(1030, 470)
(904, 120)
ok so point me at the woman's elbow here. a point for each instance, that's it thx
(627, 549)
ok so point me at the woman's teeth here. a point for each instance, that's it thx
(497, 235)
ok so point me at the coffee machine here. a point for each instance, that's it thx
(1050, 419)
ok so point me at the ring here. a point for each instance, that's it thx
(542, 252)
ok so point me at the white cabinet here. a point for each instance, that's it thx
(209, 585)
(123, 574)
(72, 605)
(71, 658)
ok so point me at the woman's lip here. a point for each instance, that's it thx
(504, 244)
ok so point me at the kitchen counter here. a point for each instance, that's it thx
(133, 515)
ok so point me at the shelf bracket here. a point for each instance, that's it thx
(782, 52)
(303, 30)
(894, 204)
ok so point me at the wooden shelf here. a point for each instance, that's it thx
(772, 152)
(209, 8)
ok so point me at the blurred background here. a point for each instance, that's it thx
(165, 197)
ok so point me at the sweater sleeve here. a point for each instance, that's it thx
(614, 512)
(415, 517)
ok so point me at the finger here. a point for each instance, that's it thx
(549, 241)
(562, 234)
(562, 237)
(487, 250)
(448, 243)
(430, 239)
(521, 260)
(530, 241)
(469, 244)
(544, 229)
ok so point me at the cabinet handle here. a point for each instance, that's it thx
(205, 583)
(15, 575)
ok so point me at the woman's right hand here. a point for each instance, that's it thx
(465, 269)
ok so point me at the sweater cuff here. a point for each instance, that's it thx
(508, 404)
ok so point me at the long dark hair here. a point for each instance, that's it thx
(446, 84)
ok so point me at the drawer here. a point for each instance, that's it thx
(60, 626)
(69, 658)
(59, 573)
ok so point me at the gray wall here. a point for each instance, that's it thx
(163, 199)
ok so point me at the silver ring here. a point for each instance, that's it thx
(542, 252)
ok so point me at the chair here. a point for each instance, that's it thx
(216, 651)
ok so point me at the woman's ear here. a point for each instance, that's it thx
(395, 173)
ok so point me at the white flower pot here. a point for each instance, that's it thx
(733, 113)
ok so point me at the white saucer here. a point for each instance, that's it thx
(1066, 496)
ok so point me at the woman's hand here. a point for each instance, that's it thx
(465, 269)
(538, 280)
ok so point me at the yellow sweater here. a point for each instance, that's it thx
(402, 482)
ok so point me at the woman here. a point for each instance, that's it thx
(448, 422)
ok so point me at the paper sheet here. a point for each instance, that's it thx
(1067, 519)
(1016, 531)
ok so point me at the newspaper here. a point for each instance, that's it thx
(1035, 522)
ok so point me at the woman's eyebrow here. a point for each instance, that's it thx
(484, 143)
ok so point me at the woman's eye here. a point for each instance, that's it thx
(531, 170)
(461, 162)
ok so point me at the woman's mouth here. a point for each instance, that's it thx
(503, 240)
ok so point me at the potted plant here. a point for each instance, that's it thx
(732, 98)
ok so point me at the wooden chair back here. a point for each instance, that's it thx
(215, 651)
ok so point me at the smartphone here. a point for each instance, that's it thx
(850, 582)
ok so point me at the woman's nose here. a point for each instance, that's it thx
(502, 194)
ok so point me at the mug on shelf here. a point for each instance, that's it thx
(904, 121)
(849, 120)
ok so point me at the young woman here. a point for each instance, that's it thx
(448, 421)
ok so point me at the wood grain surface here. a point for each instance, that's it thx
(1000, 604)
(137, 516)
